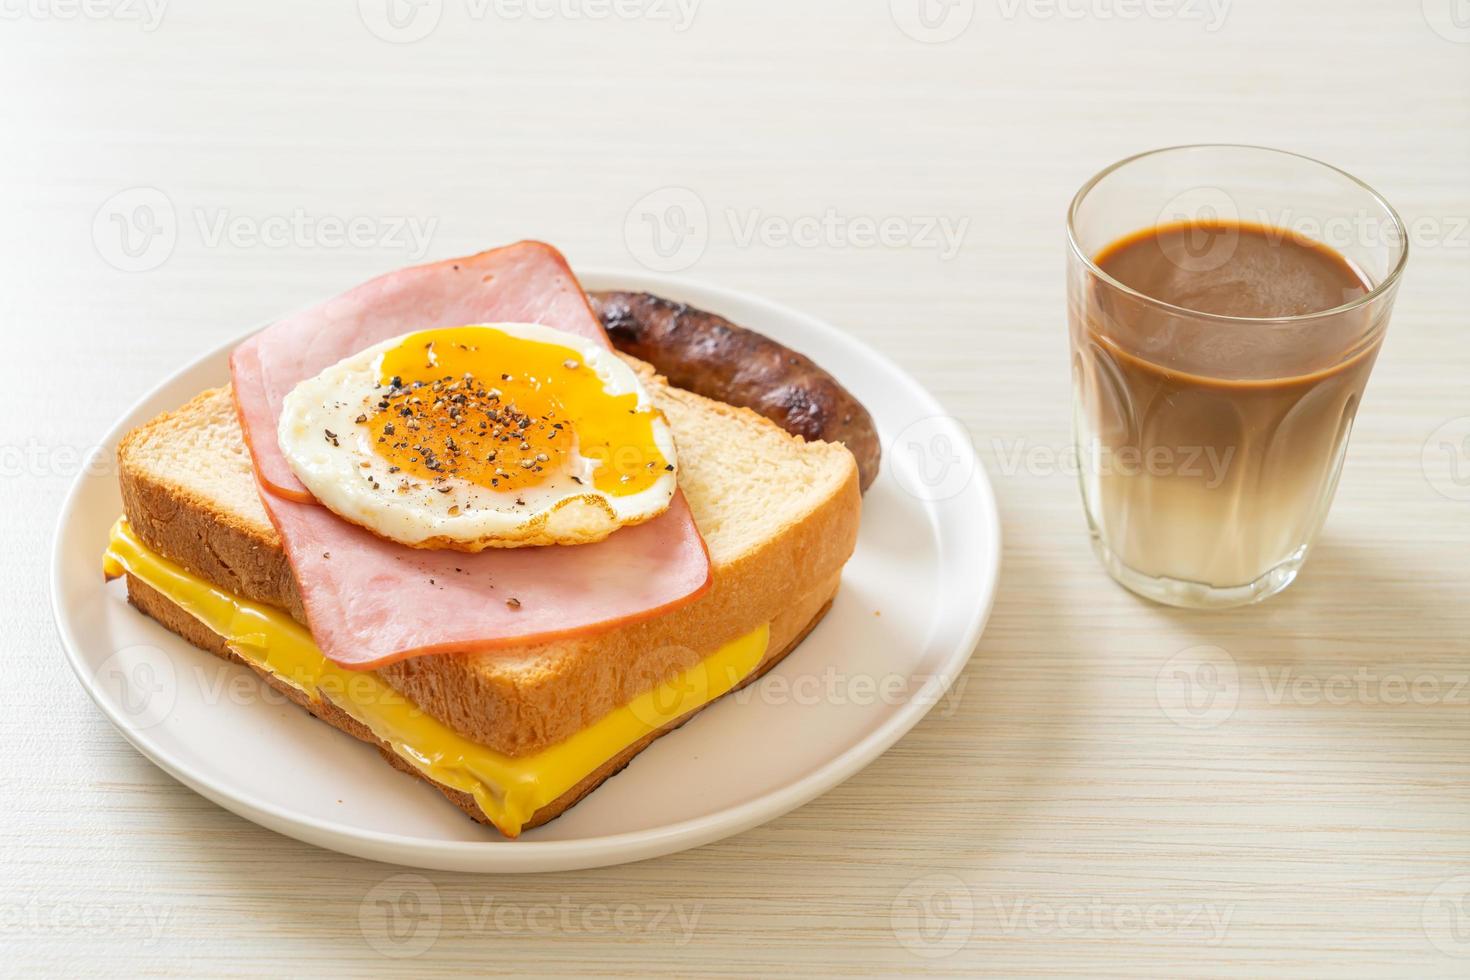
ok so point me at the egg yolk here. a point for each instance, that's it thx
(506, 413)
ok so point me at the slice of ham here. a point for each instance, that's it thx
(370, 601)
(528, 282)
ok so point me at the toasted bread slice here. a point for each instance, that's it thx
(787, 630)
(778, 515)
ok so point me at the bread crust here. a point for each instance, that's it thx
(239, 552)
(516, 701)
(787, 632)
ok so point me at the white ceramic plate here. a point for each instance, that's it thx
(913, 601)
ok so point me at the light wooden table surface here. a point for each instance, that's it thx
(1074, 814)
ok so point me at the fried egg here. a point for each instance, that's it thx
(485, 436)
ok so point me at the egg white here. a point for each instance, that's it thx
(340, 470)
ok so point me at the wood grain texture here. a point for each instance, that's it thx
(1060, 819)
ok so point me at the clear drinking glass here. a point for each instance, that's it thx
(1210, 445)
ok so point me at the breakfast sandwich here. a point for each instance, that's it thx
(446, 515)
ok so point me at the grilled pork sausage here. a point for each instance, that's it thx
(711, 356)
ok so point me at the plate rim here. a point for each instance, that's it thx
(512, 856)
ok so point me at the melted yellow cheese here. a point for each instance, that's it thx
(509, 789)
